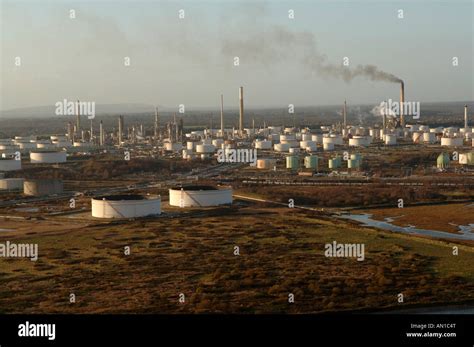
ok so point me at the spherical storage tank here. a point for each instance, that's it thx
(42, 187)
(9, 164)
(200, 196)
(125, 206)
(47, 157)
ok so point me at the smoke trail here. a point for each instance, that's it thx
(279, 44)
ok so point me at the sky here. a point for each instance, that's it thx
(190, 61)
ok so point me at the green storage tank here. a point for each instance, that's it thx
(311, 162)
(292, 162)
(334, 163)
(352, 164)
(442, 161)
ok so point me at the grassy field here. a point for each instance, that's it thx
(281, 252)
(444, 217)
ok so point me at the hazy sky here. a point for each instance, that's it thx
(191, 61)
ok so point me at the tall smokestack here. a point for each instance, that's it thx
(120, 130)
(345, 114)
(157, 125)
(222, 115)
(241, 114)
(78, 117)
(465, 116)
(402, 103)
(101, 134)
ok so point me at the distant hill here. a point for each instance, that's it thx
(100, 109)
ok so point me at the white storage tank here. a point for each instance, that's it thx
(264, 144)
(217, 142)
(9, 164)
(47, 157)
(266, 164)
(451, 141)
(200, 196)
(281, 147)
(358, 141)
(125, 206)
(429, 137)
(11, 184)
(318, 138)
(41, 187)
(205, 148)
(390, 139)
(173, 147)
(329, 146)
(307, 143)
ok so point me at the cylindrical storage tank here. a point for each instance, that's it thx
(352, 164)
(205, 148)
(47, 157)
(390, 139)
(264, 144)
(318, 138)
(9, 164)
(328, 146)
(304, 144)
(294, 150)
(305, 137)
(190, 145)
(442, 161)
(11, 184)
(334, 163)
(59, 138)
(287, 138)
(26, 145)
(281, 147)
(186, 153)
(62, 144)
(292, 162)
(451, 141)
(200, 196)
(266, 164)
(125, 206)
(373, 133)
(358, 141)
(357, 157)
(42, 187)
(429, 137)
(173, 147)
(44, 145)
(417, 137)
(311, 162)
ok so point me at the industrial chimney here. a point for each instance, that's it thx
(157, 125)
(241, 118)
(222, 115)
(101, 134)
(465, 116)
(120, 130)
(402, 103)
(345, 114)
(78, 117)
